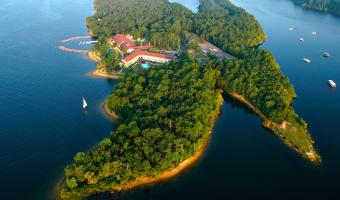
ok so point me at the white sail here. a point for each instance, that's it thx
(84, 103)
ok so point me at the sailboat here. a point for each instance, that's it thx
(84, 104)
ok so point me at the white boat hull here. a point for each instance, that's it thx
(306, 60)
(332, 83)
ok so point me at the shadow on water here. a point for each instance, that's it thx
(150, 191)
(111, 83)
(237, 104)
(257, 165)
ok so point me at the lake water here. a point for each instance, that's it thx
(42, 121)
(43, 125)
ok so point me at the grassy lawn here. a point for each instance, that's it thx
(298, 136)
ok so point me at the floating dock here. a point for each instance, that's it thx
(62, 48)
(76, 38)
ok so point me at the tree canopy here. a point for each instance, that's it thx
(158, 20)
(229, 27)
(165, 115)
(259, 79)
(164, 24)
(332, 6)
(167, 111)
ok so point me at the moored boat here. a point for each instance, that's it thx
(306, 60)
(332, 83)
(326, 54)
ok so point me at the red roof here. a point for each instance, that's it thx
(144, 47)
(122, 40)
(145, 53)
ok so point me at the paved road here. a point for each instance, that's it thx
(206, 46)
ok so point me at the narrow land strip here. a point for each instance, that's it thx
(311, 155)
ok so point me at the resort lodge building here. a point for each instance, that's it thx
(145, 55)
(127, 43)
(137, 53)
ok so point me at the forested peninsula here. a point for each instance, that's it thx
(331, 6)
(167, 112)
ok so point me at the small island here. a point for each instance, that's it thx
(174, 68)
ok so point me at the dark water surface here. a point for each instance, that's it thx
(42, 124)
(41, 90)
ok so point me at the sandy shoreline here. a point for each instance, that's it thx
(191, 160)
(109, 113)
(92, 56)
(312, 156)
(96, 73)
(168, 174)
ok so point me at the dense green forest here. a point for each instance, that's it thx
(109, 57)
(161, 22)
(164, 24)
(258, 78)
(229, 27)
(332, 6)
(166, 112)
(165, 115)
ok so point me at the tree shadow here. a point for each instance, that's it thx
(236, 104)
